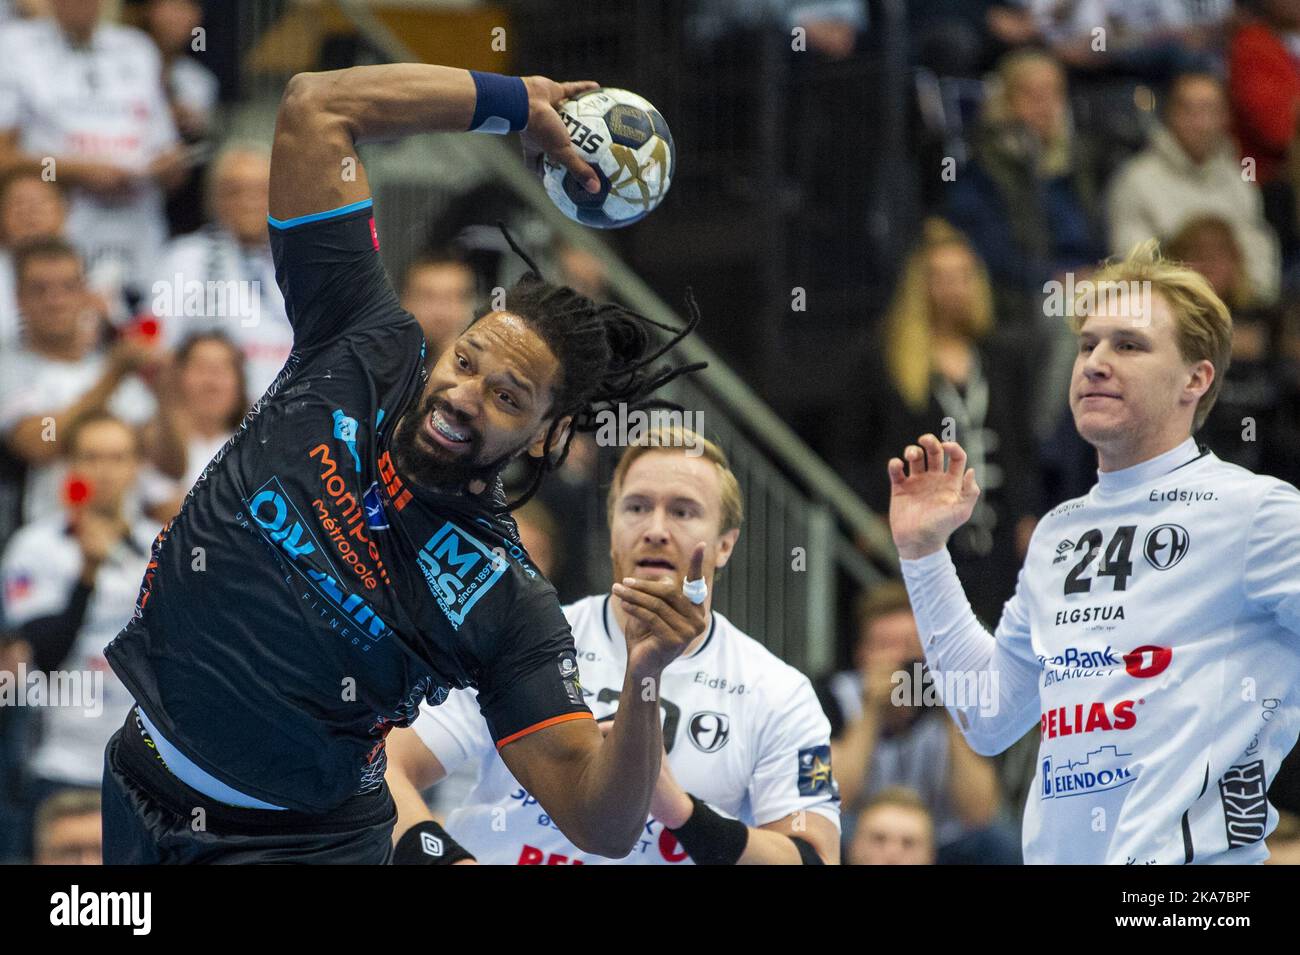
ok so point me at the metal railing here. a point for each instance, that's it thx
(804, 527)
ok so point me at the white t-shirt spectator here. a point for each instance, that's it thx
(157, 488)
(1130, 18)
(250, 312)
(102, 102)
(32, 383)
(193, 85)
(40, 570)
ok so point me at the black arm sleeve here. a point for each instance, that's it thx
(328, 267)
(532, 682)
(51, 638)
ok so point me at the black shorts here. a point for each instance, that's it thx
(151, 817)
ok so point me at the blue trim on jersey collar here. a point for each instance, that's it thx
(713, 625)
(318, 216)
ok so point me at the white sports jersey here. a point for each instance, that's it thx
(40, 569)
(1153, 640)
(191, 293)
(103, 102)
(32, 383)
(743, 731)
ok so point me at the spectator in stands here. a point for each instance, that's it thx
(192, 91)
(1210, 244)
(942, 368)
(1190, 169)
(198, 413)
(894, 828)
(438, 289)
(965, 37)
(1264, 87)
(60, 374)
(30, 207)
(1252, 423)
(68, 829)
(1028, 201)
(1153, 39)
(15, 655)
(71, 580)
(583, 272)
(191, 87)
(229, 262)
(84, 99)
(881, 737)
(831, 27)
(537, 532)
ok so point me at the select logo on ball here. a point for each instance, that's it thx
(626, 141)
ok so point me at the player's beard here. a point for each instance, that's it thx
(425, 464)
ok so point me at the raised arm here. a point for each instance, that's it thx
(929, 501)
(323, 116)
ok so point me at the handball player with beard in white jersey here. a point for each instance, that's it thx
(746, 778)
(1154, 635)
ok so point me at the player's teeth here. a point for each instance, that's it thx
(442, 427)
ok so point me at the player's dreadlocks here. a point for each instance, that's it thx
(604, 351)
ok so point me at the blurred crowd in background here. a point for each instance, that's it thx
(1021, 143)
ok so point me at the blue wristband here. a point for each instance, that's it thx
(502, 105)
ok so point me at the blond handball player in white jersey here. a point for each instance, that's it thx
(746, 777)
(1154, 635)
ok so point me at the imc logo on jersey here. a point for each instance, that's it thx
(1101, 770)
(815, 770)
(1088, 718)
(459, 570)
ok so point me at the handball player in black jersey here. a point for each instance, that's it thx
(349, 553)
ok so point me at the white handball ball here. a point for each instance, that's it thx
(629, 145)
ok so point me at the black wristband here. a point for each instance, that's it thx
(807, 854)
(710, 839)
(427, 843)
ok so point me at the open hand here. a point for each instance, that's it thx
(927, 501)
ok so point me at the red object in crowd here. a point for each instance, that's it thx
(146, 326)
(1264, 92)
(76, 490)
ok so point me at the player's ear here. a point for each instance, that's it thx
(1202, 377)
(726, 547)
(561, 435)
